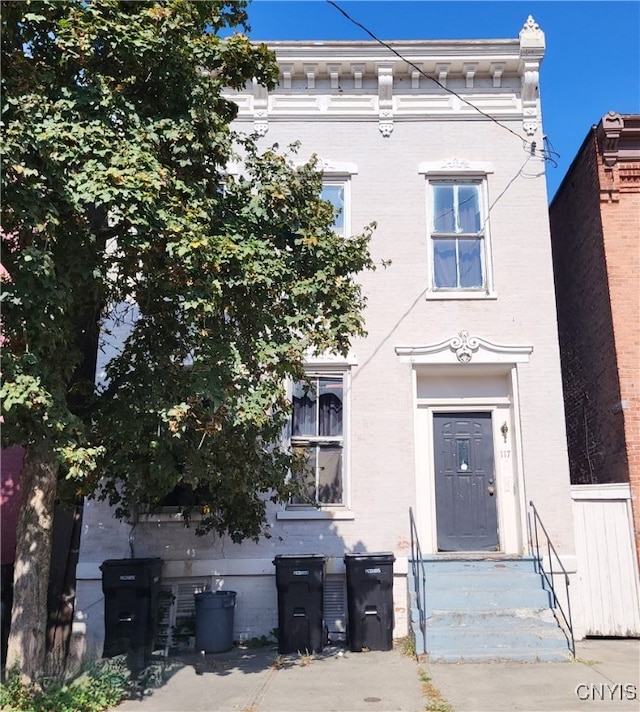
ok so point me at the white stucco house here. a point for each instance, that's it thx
(452, 405)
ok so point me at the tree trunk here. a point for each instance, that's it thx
(27, 638)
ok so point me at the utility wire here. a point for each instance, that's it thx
(527, 146)
(506, 188)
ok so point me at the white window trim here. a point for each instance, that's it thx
(345, 183)
(338, 512)
(340, 173)
(456, 169)
(322, 365)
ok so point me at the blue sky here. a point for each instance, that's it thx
(591, 66)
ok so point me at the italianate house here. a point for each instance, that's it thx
(444, 427)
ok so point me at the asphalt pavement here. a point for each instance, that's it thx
(604, 677)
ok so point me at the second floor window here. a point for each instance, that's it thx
(335, 193)
(457, 235)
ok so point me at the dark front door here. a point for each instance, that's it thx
(465, 484)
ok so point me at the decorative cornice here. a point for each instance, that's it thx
(455, 166)
(442, 70)
(363, 81)
(464, 349)
(532, 46)
(532, 37)
(629, 177)
(497, 71)
(618, 139)
(385, 98)
(327, 360)
(469, 73)
(341, 168)
(358, 72)
(612, 125)
(260, 108)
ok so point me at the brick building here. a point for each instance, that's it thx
(595, 229)
(452, 405)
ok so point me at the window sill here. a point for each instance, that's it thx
(169, 514)
(311, 513)
(458, 295)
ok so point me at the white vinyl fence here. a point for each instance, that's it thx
(607, 576)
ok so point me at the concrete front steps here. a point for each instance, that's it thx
(486, 609)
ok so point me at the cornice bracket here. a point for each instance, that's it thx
(358, 71)
(612, 125)
(442, 70)
(310, 73)
(260, 109)
(385, 99)
(334, 75)
(532, 47)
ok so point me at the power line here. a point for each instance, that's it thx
(528, 147)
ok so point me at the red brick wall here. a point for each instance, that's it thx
(595, 227)
(621, 228)
(595, 433)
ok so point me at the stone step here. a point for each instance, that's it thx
(479, 580)
(490, 609)
(484, 599)
(531, 618)
(526, 655)
(525, 563)
(530, 635)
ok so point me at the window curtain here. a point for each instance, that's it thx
(321, 400)
(444, 263)
(303, 420)
(330, 415)
(470, 263)
(468, 209)
(443, 213)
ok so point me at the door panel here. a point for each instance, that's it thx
(466, 511)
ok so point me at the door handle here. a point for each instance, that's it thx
(491, 490)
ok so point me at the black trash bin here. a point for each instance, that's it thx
(214, 620)
(300, 583)
(370, 601)
(131, 588)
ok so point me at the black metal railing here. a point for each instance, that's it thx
(419, 576)
(556, 568)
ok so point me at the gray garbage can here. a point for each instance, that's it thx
(214, 620)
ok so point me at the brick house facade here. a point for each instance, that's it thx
(470, 350)
(595, 230)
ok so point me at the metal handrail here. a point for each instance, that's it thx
(419, 575)
(548, 577)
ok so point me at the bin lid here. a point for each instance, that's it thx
(383, 556)
(214, 594)
(285, 560)
(142, 563)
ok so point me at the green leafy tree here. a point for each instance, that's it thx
(117, 207)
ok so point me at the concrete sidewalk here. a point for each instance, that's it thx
(605, 676)
(261, 680)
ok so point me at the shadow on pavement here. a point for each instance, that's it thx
(240, 659)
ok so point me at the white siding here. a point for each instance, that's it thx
(607, 585)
